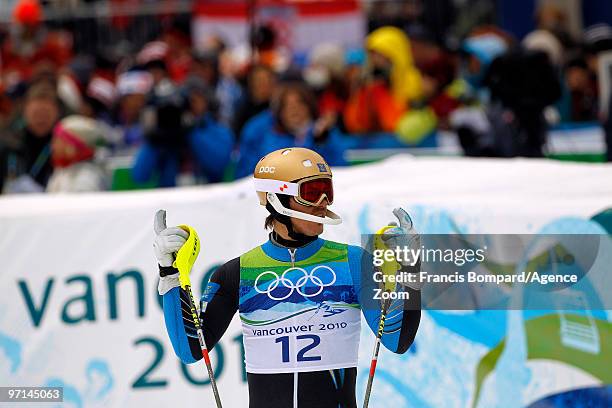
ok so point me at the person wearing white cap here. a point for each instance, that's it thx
(133, 88)
(73, 150)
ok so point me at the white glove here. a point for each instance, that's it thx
(167, 240)
(405, 235)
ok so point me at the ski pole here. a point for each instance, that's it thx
(198, 325)
(184, 260)
(387, 268)
(381, 327)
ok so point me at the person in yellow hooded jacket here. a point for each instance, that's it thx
(390, 83)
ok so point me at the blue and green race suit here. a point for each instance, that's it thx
(300, 310)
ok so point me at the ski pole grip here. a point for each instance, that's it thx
(187, 255)
(388, 268)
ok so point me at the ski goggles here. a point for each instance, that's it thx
(310, 191)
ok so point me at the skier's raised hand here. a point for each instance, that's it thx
(167, 240)
(405, 236)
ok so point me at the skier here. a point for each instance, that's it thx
(298, 296)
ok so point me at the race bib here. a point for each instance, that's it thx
(301, 317)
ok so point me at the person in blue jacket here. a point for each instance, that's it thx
(179, 138)
(300, 298)
(292, 120)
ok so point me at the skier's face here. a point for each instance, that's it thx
(307, 227)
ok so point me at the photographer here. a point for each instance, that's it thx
(181, 133)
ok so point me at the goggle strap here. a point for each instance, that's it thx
(276, 186)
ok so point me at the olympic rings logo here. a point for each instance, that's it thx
(298, 285)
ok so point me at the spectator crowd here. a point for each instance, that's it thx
(192, 115)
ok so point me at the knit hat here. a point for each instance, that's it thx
(329, 55)
(324, 62)
(152, 51)
(134, 82)
(102, 90)
(27, 12)
(74, 140)
(598, 38)
(544, 40)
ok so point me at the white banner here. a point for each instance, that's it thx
(79, 306)
(298, 26)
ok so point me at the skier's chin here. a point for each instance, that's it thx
(308, 228)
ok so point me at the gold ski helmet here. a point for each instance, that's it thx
(297, 172)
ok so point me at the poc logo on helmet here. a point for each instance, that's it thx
(267, 169)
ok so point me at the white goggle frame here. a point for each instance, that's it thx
(271, 187)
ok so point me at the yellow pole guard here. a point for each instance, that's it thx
(187, 255)
(388, 268)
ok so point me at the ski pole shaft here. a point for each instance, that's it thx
(381, 327)
(196, 321)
